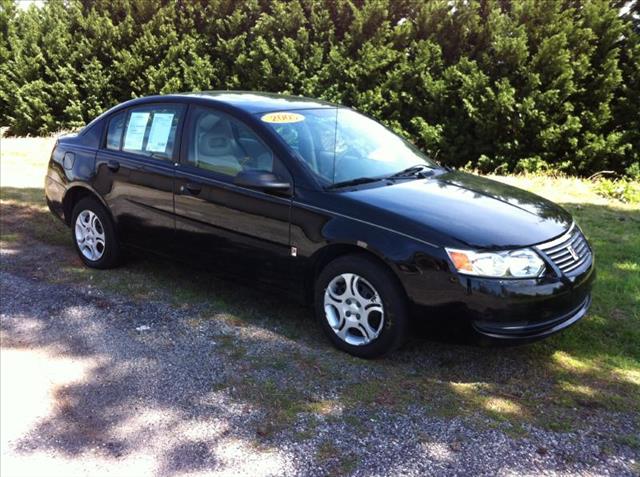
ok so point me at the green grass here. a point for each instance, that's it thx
(590, 371)
(335, 460)
(630, 440)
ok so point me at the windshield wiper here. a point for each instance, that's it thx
(418, 169)
(357, 181)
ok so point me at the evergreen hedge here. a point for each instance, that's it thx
(524, 85)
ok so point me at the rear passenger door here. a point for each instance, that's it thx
(229, 228)
(135, 173)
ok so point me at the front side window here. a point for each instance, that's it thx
(151, 130)
(220, 143)
(339, 145)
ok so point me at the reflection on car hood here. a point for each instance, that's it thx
(479, 212)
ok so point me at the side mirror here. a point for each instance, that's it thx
(261, 180)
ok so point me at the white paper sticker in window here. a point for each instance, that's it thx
(135, 131)
(160, 130)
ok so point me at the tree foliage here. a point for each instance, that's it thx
(502, 85)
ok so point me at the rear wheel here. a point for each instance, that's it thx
(361, 306)
(94, 234)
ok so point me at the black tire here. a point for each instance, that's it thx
(111, 250)
(395, 325)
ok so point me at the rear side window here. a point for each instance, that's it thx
(114, 133)
(150, 130)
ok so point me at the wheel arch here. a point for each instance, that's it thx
(327, 254)
(75, 193)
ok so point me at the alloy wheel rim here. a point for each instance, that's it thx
(90, 235)
(353, 309)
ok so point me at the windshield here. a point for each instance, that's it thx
(339, 145)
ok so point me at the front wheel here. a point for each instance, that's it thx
(361, 306)
(94, 234)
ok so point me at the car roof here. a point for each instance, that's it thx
(251, 102)
(260, 102)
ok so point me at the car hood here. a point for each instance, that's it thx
(479, 212)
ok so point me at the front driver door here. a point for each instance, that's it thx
(230, 229)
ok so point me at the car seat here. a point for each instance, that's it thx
(215, 148)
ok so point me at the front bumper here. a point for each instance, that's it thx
(522, 312)
(531, 331)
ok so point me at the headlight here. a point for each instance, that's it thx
(524, 263)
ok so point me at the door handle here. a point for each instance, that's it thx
(113, 165)
(189, 188)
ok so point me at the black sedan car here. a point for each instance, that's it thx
(321, 203)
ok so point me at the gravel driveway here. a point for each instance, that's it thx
(101, 384)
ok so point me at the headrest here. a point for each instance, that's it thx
(208, 121)
(214, 144)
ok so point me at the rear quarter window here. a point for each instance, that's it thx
(114, 133)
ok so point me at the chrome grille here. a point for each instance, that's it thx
(568, 252)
